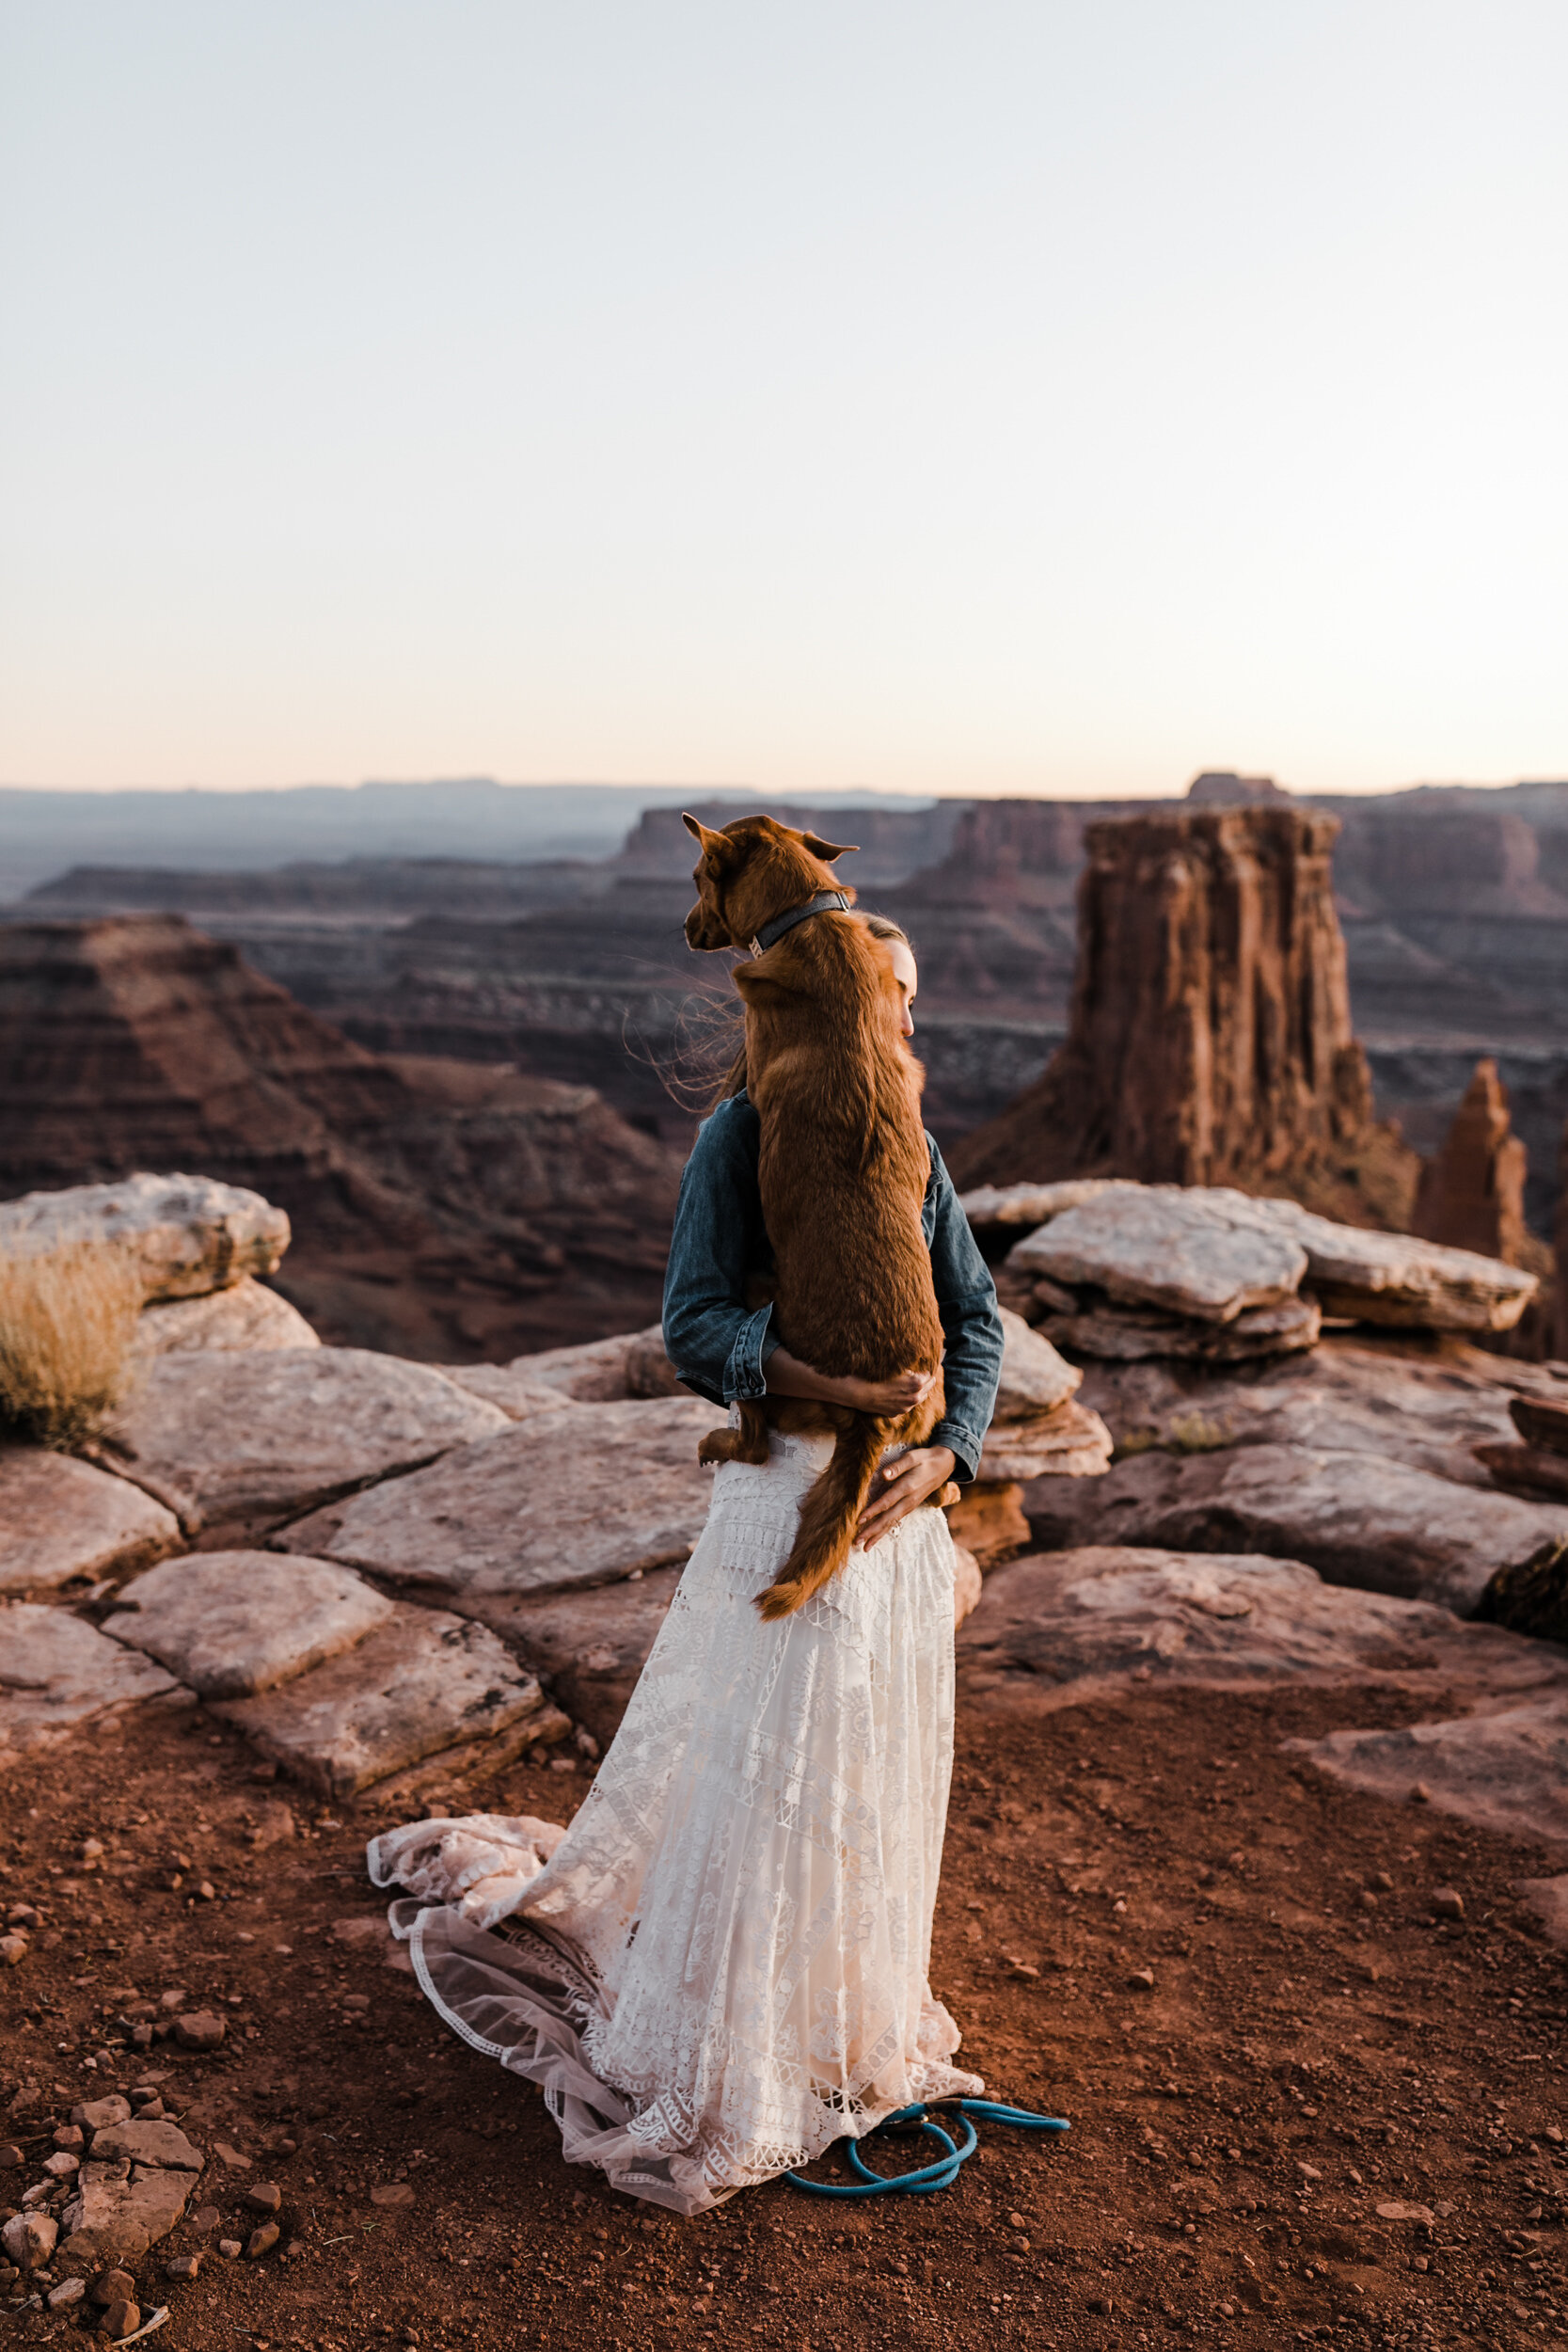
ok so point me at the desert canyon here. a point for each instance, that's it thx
(1258, 1863)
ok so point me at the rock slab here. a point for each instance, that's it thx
(579, 1497)
(56, 1672)
(1506, 1771)
(114, 2215)
(1198, 1253)
(61, 1518)
(233, 1623)
(268, 1434)
(188, 1233)
(421, 1682)
(1063, 1624)
(1360, 1519)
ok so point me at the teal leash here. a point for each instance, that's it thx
(944, 2170)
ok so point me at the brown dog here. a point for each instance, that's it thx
(844, 1168)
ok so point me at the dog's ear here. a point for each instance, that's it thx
(826, 850)
(700, 832)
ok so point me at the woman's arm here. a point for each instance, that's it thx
(716, 1343)
(970, 1323)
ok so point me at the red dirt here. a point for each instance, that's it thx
(1288, 2025)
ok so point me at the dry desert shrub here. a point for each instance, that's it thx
(65, 1324)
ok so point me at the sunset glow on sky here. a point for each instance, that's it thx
(996, 398)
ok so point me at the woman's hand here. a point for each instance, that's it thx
(902, 1487)
(787, 1376)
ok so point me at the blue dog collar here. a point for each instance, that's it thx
(825, 902)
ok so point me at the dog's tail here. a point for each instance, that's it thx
(829, 1517)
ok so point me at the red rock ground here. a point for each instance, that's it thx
(1289, 2025)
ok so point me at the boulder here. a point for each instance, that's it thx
(1363, 1399)
(60, 1672)
(579, 1497)
(1034, 1379)
(1506, 1771)
(61, 1518)
(419, 1684)
(189, 1233)
(273, 1433)
(246, 1315)
(1200, 1254)
(987, 1520)
(1097, 1327)
(233, 1623)
(1360, 1519)
(1061, 1626)
(1071, 1442)
(114, 2217)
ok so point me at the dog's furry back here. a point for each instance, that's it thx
(843, 1171)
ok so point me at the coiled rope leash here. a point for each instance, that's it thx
(944, 2170)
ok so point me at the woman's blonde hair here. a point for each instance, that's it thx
(733, 1081)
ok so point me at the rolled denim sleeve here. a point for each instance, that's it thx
(970, 1323)
(717, 1343)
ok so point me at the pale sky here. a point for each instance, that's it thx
(962, 398)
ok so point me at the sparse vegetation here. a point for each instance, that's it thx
(65, 1324)
(1195, 1433)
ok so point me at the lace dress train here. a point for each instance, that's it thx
(722, 1966)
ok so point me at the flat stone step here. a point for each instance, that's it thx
(61, 1518)
(58, 1672)
(235, 1623)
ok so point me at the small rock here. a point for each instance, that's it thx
(62, 2164)
(206, 2218)
(176, 1998)
(231, 2249)
(1366, 1900)
(266, 2196)
(69, 2291)
(68, 2136)
(1553, 2132)
(1421, 1794)
(1447, 1902)
(230, 2157)
(261, 2241)
(393, 2193)
(93, 1850)
(151, 2110)
(183, 2266)
(1307, 2172)
(1143, 1977)
(29, 2238)
(1396, 2211)
(199, 2030)
(163, 2145)
(10, 2156)
(96, 2113)
(121, 2320)
(13, 1950)
(23, 1915)
(112, 2287)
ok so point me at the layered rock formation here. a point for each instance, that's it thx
(1210, 1036)
(1471, 1194)
(447, 1208)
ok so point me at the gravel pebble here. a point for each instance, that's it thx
(261, 2241)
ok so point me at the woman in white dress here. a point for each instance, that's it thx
(723, 1964)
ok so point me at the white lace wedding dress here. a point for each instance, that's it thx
(722, 1966)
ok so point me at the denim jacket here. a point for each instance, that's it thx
(719, 1346)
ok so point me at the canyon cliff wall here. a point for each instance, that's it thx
(441, 1209)
(1210, 1037)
